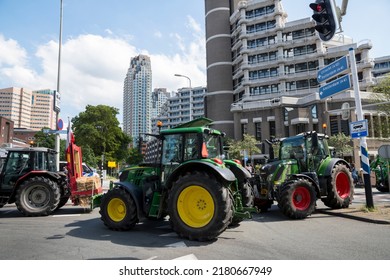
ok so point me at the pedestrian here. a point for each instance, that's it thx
(354, 173)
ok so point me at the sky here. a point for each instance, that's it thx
(99, 37)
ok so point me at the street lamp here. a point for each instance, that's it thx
(189, 80)
(57, 135)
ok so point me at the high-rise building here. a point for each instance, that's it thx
(15, 104)
(262, 72)
(137, 98)
(159, 97)
(28, 109)
(42, 109)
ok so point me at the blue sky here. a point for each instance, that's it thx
(100, 37)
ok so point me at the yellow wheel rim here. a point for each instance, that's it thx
(195, 206)
(116, 209)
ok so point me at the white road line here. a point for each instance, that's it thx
(65, 215)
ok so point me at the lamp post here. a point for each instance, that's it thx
(57, 135)
(189, 80)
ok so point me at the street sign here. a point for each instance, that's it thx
(359, 129)
(60, 124)
(332, 69)
(335, 86)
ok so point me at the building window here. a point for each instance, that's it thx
(314, 113)
(258, 131)
(244, 128)
(272, 128)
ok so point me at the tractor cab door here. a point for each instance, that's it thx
(16, 165)
(172, 154)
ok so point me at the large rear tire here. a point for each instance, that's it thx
(37, 196)
(199, 206)
(297, 199)
(118, 210)
(340, 188)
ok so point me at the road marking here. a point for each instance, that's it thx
(187, 257)
(66, 215)
(176, 245)
(174, 234)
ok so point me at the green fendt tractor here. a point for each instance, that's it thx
(183, 177)
(304, 172)
(380, 166)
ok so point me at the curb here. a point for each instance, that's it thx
(354, 217)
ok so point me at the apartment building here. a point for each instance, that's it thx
(137, 98)
(181, 107)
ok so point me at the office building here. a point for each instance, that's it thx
(42, 109)
(262, 72)
(15, 104)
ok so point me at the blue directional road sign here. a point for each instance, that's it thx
(332, 69)
(335, 86)
(359, 129)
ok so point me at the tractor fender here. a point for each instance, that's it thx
(327, 166)
(310, 179)
(238, 170)
(134, 191)
(221, 173)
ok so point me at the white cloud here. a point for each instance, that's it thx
(11, 53)
(93, 68)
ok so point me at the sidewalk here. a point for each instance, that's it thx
(357, 210)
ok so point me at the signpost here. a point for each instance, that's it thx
(341, 84)
(333, 69)
(359, 129)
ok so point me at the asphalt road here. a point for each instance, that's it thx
(73, 234)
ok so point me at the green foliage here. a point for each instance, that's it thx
(341, 143)
(381, 93)
(237, 146)
(133, 156)
(48, 141)
(97, 131)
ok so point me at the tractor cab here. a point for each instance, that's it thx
(308, 149)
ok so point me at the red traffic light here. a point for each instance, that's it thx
(317, 7)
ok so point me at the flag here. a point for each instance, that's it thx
(70, 136)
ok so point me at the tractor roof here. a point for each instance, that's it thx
(30, 149)
(199, 125)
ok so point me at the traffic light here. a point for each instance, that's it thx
(324, 14)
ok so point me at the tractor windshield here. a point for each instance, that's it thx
(293, 147)
(213, 144)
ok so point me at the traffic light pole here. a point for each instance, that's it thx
(364, 159)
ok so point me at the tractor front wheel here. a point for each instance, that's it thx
(37, 196)
(297, 199)
(340, 188)
(199, 206)
(118, 210)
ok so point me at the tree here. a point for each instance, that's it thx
(381, 93)
(48, 141)
(134, 156)
(248, 144)
(341, 143)
(97, 129)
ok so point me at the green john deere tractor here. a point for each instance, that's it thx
(304, 172)
(184, 177)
